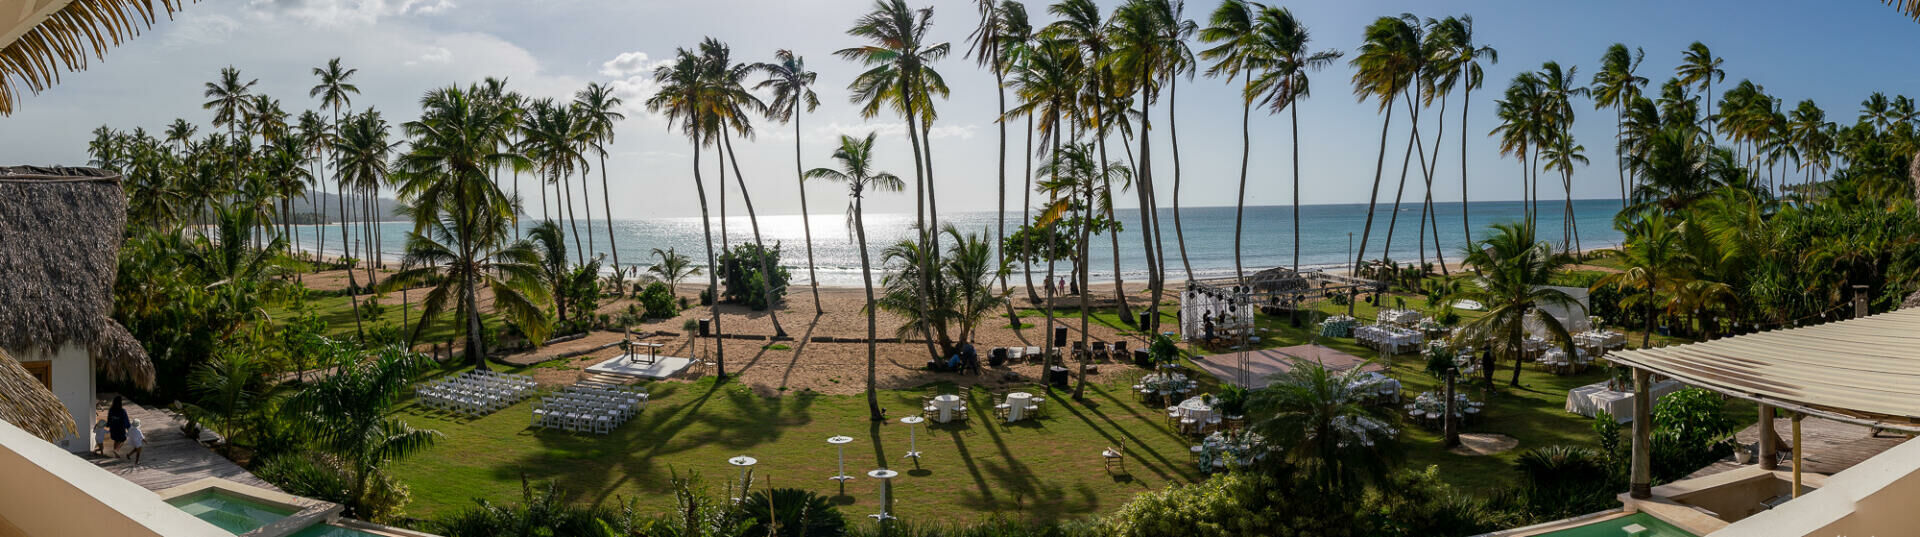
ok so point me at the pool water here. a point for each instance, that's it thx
(1615, 527)
(231, 512)
(324, 530)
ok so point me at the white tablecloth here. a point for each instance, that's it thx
(1590, 399)
(946, 404)
(1017, 405)
(1196, 408)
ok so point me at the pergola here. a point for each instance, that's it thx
(1864, 371)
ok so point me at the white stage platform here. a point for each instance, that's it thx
(662, 367)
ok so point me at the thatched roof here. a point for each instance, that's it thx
(41, 38)
(60, 232)
(27, 404)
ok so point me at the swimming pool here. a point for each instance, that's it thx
(1616, 527)
(324, 530)
(234, 513)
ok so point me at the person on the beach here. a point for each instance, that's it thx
(117, 424)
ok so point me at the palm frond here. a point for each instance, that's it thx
(64, 38)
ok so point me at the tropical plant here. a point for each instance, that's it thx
(672, 268)
(1701, 68)
(747, 282)
(731, 106)
(1284, 81)
(790, 513)
(683, 100)
(858, 172)
(1385, 67)
(352, 421)
(791, 84)
(1512, 273)
(1317, 423)
(599, 110)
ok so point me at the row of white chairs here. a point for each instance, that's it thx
(590, 408)
(475, 393)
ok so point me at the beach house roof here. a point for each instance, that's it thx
(28, 405)
(1864, 370)
(60, 232)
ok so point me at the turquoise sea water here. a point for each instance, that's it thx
(1266, 239)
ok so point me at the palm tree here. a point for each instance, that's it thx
(1049, 88)
(551, 132)
(1650, 262)
(551, 245)
(1700, 68)
(285, 167)
(231, 102)
(1562, 155)
(1320, 424)
(1512, 274)
(1462, 59)
(1414, 95)
(1285, 83)
(1615, 86)
(1075, 184)
(1081, 25)
(1384, 68)
(1174, 29)
(682, 98)
(1558, 90)
(1235, 26)
(986, 46)
(317, 138)
(1806, 125)
(599, 109)
(1519, 128)
(336, 90)
(350, 413)
(791, 84)
(672, 268)
(1138, 61)
(462, 219)
(1877, 111)
(362, 155)
(899, 74)
(1017, 45)
(180, 132)
(858, 172)
(734, 105)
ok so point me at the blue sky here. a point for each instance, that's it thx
(1832, 52)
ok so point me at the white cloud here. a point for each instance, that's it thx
(629, 64)
(338, 13)
(433, 55)
(206, 30)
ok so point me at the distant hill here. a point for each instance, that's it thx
(329, 209)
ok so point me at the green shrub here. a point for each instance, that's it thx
(740, 271)
(1419, 504)
(799, 512)
(658, 301)
(1227, 505)
(1564, 481)
(1690, 430)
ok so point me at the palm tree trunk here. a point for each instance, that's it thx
(766, 266)
(1046, 334)
(1240, 201)
(1000, 223)
(1379, 167)
(353, 287)
(1086, 308)
(933, 233)
(1026, 219)
(927, 274)
(713, 277)
(1294, 118)
(1173, 130)
(1466, 227)
(1113, 235)
(806, 225)
(1413, 137)
(566, 184)
(866, 275)
(1450, 430)
(586, 183)
(1619, 156)
(1149, 218)
(1427, 211)
(517, 204)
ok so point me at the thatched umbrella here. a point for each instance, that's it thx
(27, 404)
(60, 233)
(51, 36)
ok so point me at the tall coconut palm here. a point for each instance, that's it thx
(318, 138)
(231, 102)
(1462, 58)
(1017, 44)
(1414, 95)
(734, 107)
(1518, 128)
(1284, 82)
(1138, 62)
(1559, 88)
(1512, 278)
(857, 170)
(1805, 125)
(1615, 86)
(362, 155)
(1384, 68)
(1651, 261)
(1700, 68)
(1049, 89)
(1174, 29)
(792, 87)
(462, 220)
(599, 110)
(550, 136)
(682, 99)
(336, 90)
(1562, 154)
(1875, 110)
(1235, 27)
(985, 47)
(1082, 25)
(180, 132)
(899, 74)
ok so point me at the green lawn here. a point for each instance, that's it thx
(1044, 470)
(337, 312)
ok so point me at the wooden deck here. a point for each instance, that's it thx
(170, 458)
(1831, 446)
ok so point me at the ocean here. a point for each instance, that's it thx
(1267, 240)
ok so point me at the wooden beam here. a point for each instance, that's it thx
(1642, 476)
(1769, 453)
(1797, 453)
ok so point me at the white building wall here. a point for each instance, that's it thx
(73, 384)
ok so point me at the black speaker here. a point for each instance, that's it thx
(1146, 320)
(1059, 336)
(706, 328)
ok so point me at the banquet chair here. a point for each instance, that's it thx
(1099, 351)
(1000, 407)
(1115, 456)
